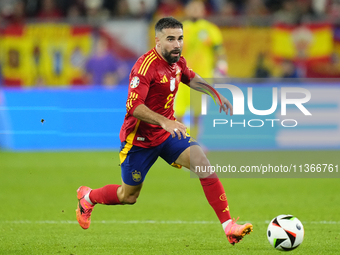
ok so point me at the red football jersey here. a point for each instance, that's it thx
(153, 82)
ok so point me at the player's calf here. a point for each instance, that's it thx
(130, 200)
(128, 194)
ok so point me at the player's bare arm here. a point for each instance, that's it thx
(199, 84)
(143, 113)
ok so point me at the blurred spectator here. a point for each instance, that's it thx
(335, 9)
(306, 11)
(288, 14)
(18, 15)
(121, 9)
(32, 7)
(298, 11)
(142, 8)
(215, 5)
(95, 11)
(228, 9)
(273, 5)
(110, 6)
(204, 52)
(49, 10)
(289, 69)
(255, 8)
(261, 71)
(103, 9)
(321, 7)
(73, 13)
(6, 7)
(102, 68)
(239, 5)
(13, 11)
(169, 8)
(74, 9)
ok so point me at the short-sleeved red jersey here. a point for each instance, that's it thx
(153, 82)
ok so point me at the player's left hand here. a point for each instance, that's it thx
(226, 105)
(175, 128)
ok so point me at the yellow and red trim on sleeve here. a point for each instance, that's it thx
(133, 96)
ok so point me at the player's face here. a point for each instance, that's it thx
(171, 44)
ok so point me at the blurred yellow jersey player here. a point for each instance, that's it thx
(203, 51)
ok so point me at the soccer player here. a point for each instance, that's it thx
(204, 53)
(150, 130)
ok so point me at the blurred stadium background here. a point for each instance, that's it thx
(50, 69)
(64, 67)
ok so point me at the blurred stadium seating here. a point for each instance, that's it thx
(45, 45)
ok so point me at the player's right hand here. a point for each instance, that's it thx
(175, 127)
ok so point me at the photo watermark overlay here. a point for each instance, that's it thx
(299, 120)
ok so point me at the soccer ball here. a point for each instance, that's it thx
(285, 232)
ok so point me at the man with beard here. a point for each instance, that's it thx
(150, 130)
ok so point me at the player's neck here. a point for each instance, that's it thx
(194, 19)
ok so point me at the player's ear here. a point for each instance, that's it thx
(157, 41)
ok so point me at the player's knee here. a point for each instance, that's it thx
(202, 161)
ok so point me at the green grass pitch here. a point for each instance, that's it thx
(172, 216)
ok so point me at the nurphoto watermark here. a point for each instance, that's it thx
(238, 106)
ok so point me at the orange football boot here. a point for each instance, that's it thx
(84, 208)
(236, 232)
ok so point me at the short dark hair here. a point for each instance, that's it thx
(168, 22)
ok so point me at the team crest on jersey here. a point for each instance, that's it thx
(134, 82)
(172, 84)
(203, 35)
(136, 176)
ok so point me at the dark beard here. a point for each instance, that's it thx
(169, 58)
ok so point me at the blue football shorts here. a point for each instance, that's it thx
(136, 161)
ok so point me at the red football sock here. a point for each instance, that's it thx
(216, 196)
(106, 195)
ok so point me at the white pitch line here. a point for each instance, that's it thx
(147, 222)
